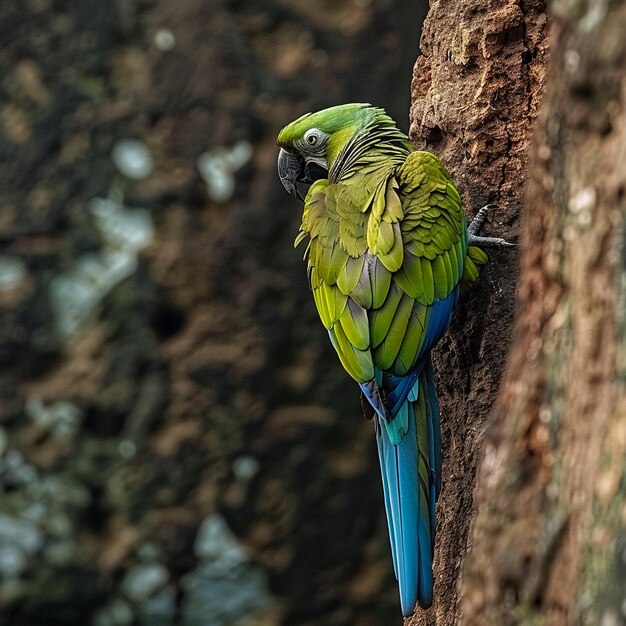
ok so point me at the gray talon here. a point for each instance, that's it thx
(474, 227)
(489, 242)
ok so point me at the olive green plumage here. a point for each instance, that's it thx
(387, 236)
(387, 253)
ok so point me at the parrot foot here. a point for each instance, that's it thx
(473, 239)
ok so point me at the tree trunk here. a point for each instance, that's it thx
(548, 540)
(476, 93)
(551, 496)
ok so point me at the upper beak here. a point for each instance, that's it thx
(291, 171)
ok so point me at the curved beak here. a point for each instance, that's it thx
(291, 170)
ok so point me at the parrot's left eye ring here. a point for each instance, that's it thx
(311, 137)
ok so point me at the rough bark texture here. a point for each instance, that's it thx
(549, 537)
(476, 92)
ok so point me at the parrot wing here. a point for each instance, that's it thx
(385, 258)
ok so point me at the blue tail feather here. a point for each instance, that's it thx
(409, 514)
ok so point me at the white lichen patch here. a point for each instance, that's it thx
(164, 39)
(12, 273)
(76, 294)
(132, 158)
(582, 204)
(225, 584)
(122, 227)
(38, 513)
(594, 16)
(216, 542)
(127, 449)
(144, 580)
(218, 166)
(584, 200)
(19, 541)
(572, 61)
(62, 419)
(245, 467)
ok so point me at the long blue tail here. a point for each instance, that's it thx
(411, 478)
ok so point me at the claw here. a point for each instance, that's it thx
(489, 242)
(474, 227)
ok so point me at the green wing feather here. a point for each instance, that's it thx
(380, 282)
(350, 274)
(413, 340)
(355, 325)
(386, 353)
(382, 317)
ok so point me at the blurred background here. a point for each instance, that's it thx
(178, 442)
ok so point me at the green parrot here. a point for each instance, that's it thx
(388, 252)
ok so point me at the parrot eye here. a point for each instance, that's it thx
(312, 137)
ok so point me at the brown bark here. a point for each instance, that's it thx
(476, 92)
(549, 500)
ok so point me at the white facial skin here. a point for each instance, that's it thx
(312, 147)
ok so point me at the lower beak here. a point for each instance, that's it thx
(291, 171)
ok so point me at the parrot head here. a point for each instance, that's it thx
(310, 144)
